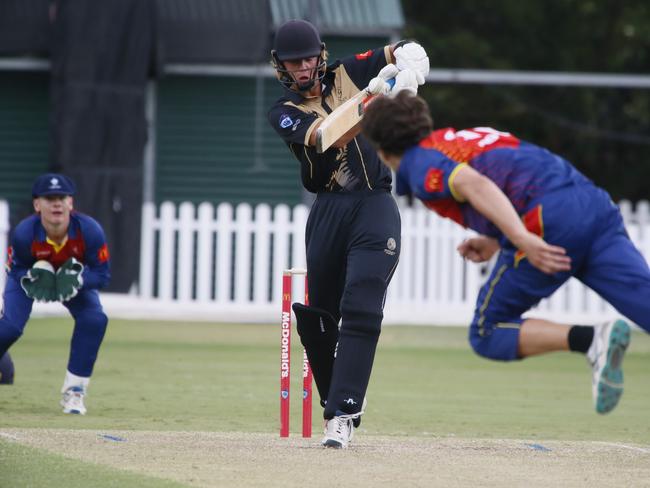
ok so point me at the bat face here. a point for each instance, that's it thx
(342, 120)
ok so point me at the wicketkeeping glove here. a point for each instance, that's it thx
(39, 282)
(69, 280)
(413, 56)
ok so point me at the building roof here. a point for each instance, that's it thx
(342, 17)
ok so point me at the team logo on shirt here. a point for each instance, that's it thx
(10, 258)
(433, 181)
(534, 222)
(102, 254)
(285, 121)
(42, 253)
(391, 245)
(365, 55)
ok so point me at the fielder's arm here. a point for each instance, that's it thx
(491, 202)
(478, 249)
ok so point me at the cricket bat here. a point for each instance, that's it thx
(343, 118)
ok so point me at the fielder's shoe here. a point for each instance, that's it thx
(73, 401)
(606, 358)
(339, 431)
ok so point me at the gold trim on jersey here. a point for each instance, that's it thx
(310, 130)
(451, 179)
(493, 284)
(344, 89)
(363, 163)
(508, 325)
(387, 54)
(57, 247)
(311, 165)
(309, 107)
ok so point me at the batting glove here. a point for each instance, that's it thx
(413, 56)
(69, 280)
(39, 283)
(405, 80)
(379, 84)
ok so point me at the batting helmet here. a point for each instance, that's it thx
(294, 40)
(6, 370)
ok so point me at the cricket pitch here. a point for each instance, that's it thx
(217, 459)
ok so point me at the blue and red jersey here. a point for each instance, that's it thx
(85, 242)
(523, 171)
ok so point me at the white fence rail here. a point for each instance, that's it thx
(225, 264)
(225, 260)
(4, 237)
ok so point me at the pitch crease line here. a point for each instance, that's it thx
(633, 448)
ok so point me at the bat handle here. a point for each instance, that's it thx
(370, 96)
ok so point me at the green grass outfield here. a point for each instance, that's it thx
(214, 377)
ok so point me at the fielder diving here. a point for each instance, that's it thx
(547, 221)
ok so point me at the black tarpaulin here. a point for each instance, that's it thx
(24, 27)
(219, 31)
(102, 54)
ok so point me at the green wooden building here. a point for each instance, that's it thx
(208, 138)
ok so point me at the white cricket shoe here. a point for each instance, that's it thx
(339, 431)
(606, 358)
(73, 400)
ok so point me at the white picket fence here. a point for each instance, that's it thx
(4, 237)
(226, 263)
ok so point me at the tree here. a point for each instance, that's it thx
(605, 132)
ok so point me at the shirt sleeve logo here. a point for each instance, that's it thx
(10, 258)
(102, 254)
(285, 121)
(365, 55)
(433, 181)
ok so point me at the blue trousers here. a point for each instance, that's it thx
(584, 221)
(89, 325)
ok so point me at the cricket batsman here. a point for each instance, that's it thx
(353, 230)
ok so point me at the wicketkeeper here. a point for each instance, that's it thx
(58, 255)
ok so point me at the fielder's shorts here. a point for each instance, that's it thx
(584, 221)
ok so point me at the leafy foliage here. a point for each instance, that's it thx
(605, 132)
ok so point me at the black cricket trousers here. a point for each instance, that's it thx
(353, 244)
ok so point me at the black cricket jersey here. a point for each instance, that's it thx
(352, 168)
